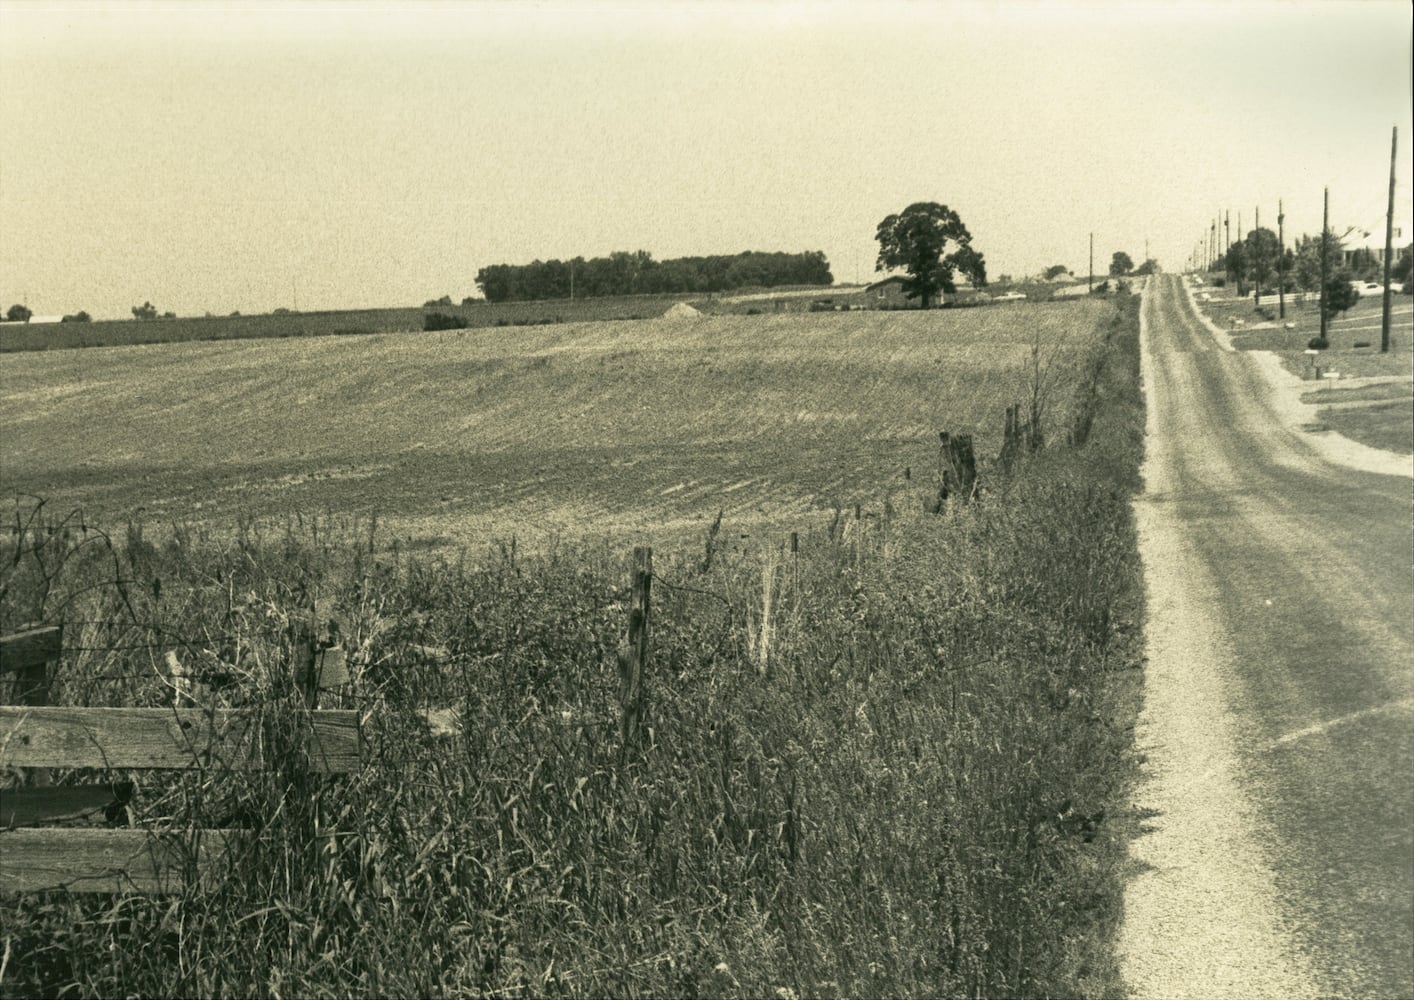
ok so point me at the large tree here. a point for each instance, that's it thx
(1308, 259)
(916, 240)
(1261, 251)
(1120, 264)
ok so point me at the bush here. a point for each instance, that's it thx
(441, 321)
(1318, 343)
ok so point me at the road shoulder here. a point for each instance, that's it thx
(1286, 392)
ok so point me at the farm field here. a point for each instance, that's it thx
(895, 762)
(644, 428)
(344, 322)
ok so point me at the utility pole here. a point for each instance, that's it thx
(1389, 243)
(1092, 262)
(1325, 252)
(1281, 260)
(1256, 225)
(1227, 232)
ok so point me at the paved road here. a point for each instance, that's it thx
(1279, 711)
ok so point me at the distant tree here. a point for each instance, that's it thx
(145, 311)
(1055, 271)
(438, 321)
(445, 300)
(169, 315)
(1150, 266)
(1261, 251)
(1401, 272)
(1120, 264)
(1234, 265)
(78, 317)
(1340, 292)
(18, 313)
(468, 301)
(1366, 265)
(1307, 265)
(916, 240)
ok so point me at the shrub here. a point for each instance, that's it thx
(441, 321)
(1318, 343)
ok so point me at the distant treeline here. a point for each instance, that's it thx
(638, 273)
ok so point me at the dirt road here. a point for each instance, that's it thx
(1279, 711)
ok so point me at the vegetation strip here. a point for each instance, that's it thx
(891, 758)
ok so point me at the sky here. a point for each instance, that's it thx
(220, 157)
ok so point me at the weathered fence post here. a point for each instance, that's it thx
(1011, 437)
(957, 469)
(27, 655)
(633, 659)
(319, 663)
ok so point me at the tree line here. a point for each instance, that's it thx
(19, 313)
(623, 273)
(1258, 263)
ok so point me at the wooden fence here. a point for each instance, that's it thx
(38, 737)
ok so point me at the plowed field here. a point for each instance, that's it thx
(646, 427)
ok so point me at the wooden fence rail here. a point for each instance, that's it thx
(39, 736)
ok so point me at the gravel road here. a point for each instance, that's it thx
(1279, 711)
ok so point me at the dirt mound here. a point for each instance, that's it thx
(682, 311)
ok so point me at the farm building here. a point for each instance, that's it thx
(888, 294)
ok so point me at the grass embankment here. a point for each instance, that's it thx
(1386, 422)
(894, 764)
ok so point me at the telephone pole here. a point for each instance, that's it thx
(1256, 225)
(1281, 260)
(1092, 262)
(1325, 253)
(1389, 243)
